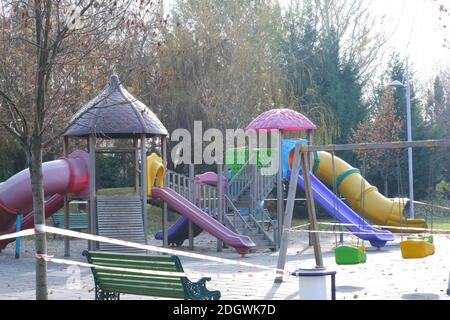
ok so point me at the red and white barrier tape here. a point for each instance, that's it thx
(86, 236)
(23, 233)
(89, 265)
(298, 227)
(345, 232)
(373, 225)
(389, 227)
(188, 274)
(433, 205)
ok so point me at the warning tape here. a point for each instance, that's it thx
(424, 230)
(345, 232)
(39, 228)
(95, 266)
(156, 272)
(300, 226)
(23, 233)
(387, 227)
(433, 205)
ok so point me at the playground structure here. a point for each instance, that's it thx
(378, 209)
(412, 248)
(67, 176)
(231, 211)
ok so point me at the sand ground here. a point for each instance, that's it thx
(385, 275)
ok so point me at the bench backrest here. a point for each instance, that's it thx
(137, 283)
(76, 220)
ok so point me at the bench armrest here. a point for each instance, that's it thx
(198, 291)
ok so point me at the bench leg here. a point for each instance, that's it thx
(105, 295)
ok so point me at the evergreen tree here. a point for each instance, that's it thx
(420, 131)
(318, 77)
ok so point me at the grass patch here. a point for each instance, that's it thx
(126, 191)
(439, 222)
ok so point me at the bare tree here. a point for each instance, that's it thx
(352, 22)
(384, 125)
(50, 51)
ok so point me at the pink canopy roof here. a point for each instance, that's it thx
(281, 119)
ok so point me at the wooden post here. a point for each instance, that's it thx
(66, 204)
(166, 181)
(225, 189)
(311, 209)
(253, 188)
(144, 183)
(92, 191)
(288, 214)
(136, 165)
(280, 198)
(310, 143)
(310, 156)
(192, 199)
(220, 202)
(18, 227)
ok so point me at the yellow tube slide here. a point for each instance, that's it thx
(376, 207)
(155, 169)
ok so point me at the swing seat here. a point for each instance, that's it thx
(416, 249)
(425, 238)
(347, 255)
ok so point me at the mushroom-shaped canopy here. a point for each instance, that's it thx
(115, 113)
(281, 119)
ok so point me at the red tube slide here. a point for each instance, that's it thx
(63, 176)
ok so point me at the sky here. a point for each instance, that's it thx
(416, 32)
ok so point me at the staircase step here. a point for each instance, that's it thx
(263, 244)
(251, 233)
(258, 237)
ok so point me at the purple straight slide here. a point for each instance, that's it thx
(177, 202)
(342, 212)
(179, 232)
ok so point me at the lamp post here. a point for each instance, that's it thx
(407, 87)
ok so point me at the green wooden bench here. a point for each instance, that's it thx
(77, 221)
(109, 283)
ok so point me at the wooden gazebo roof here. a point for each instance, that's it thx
(115, 113)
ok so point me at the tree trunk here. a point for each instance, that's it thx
(35, 163)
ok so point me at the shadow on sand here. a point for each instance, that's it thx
(420, 296)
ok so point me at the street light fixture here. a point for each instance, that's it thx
(397, 83)
(407, 86)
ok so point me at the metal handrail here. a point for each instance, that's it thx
(238, 173)
(186, 186)
(237, 213)
(209, 197)
(238, 184)
(261, 227)
(264, 185)
(265, 217)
